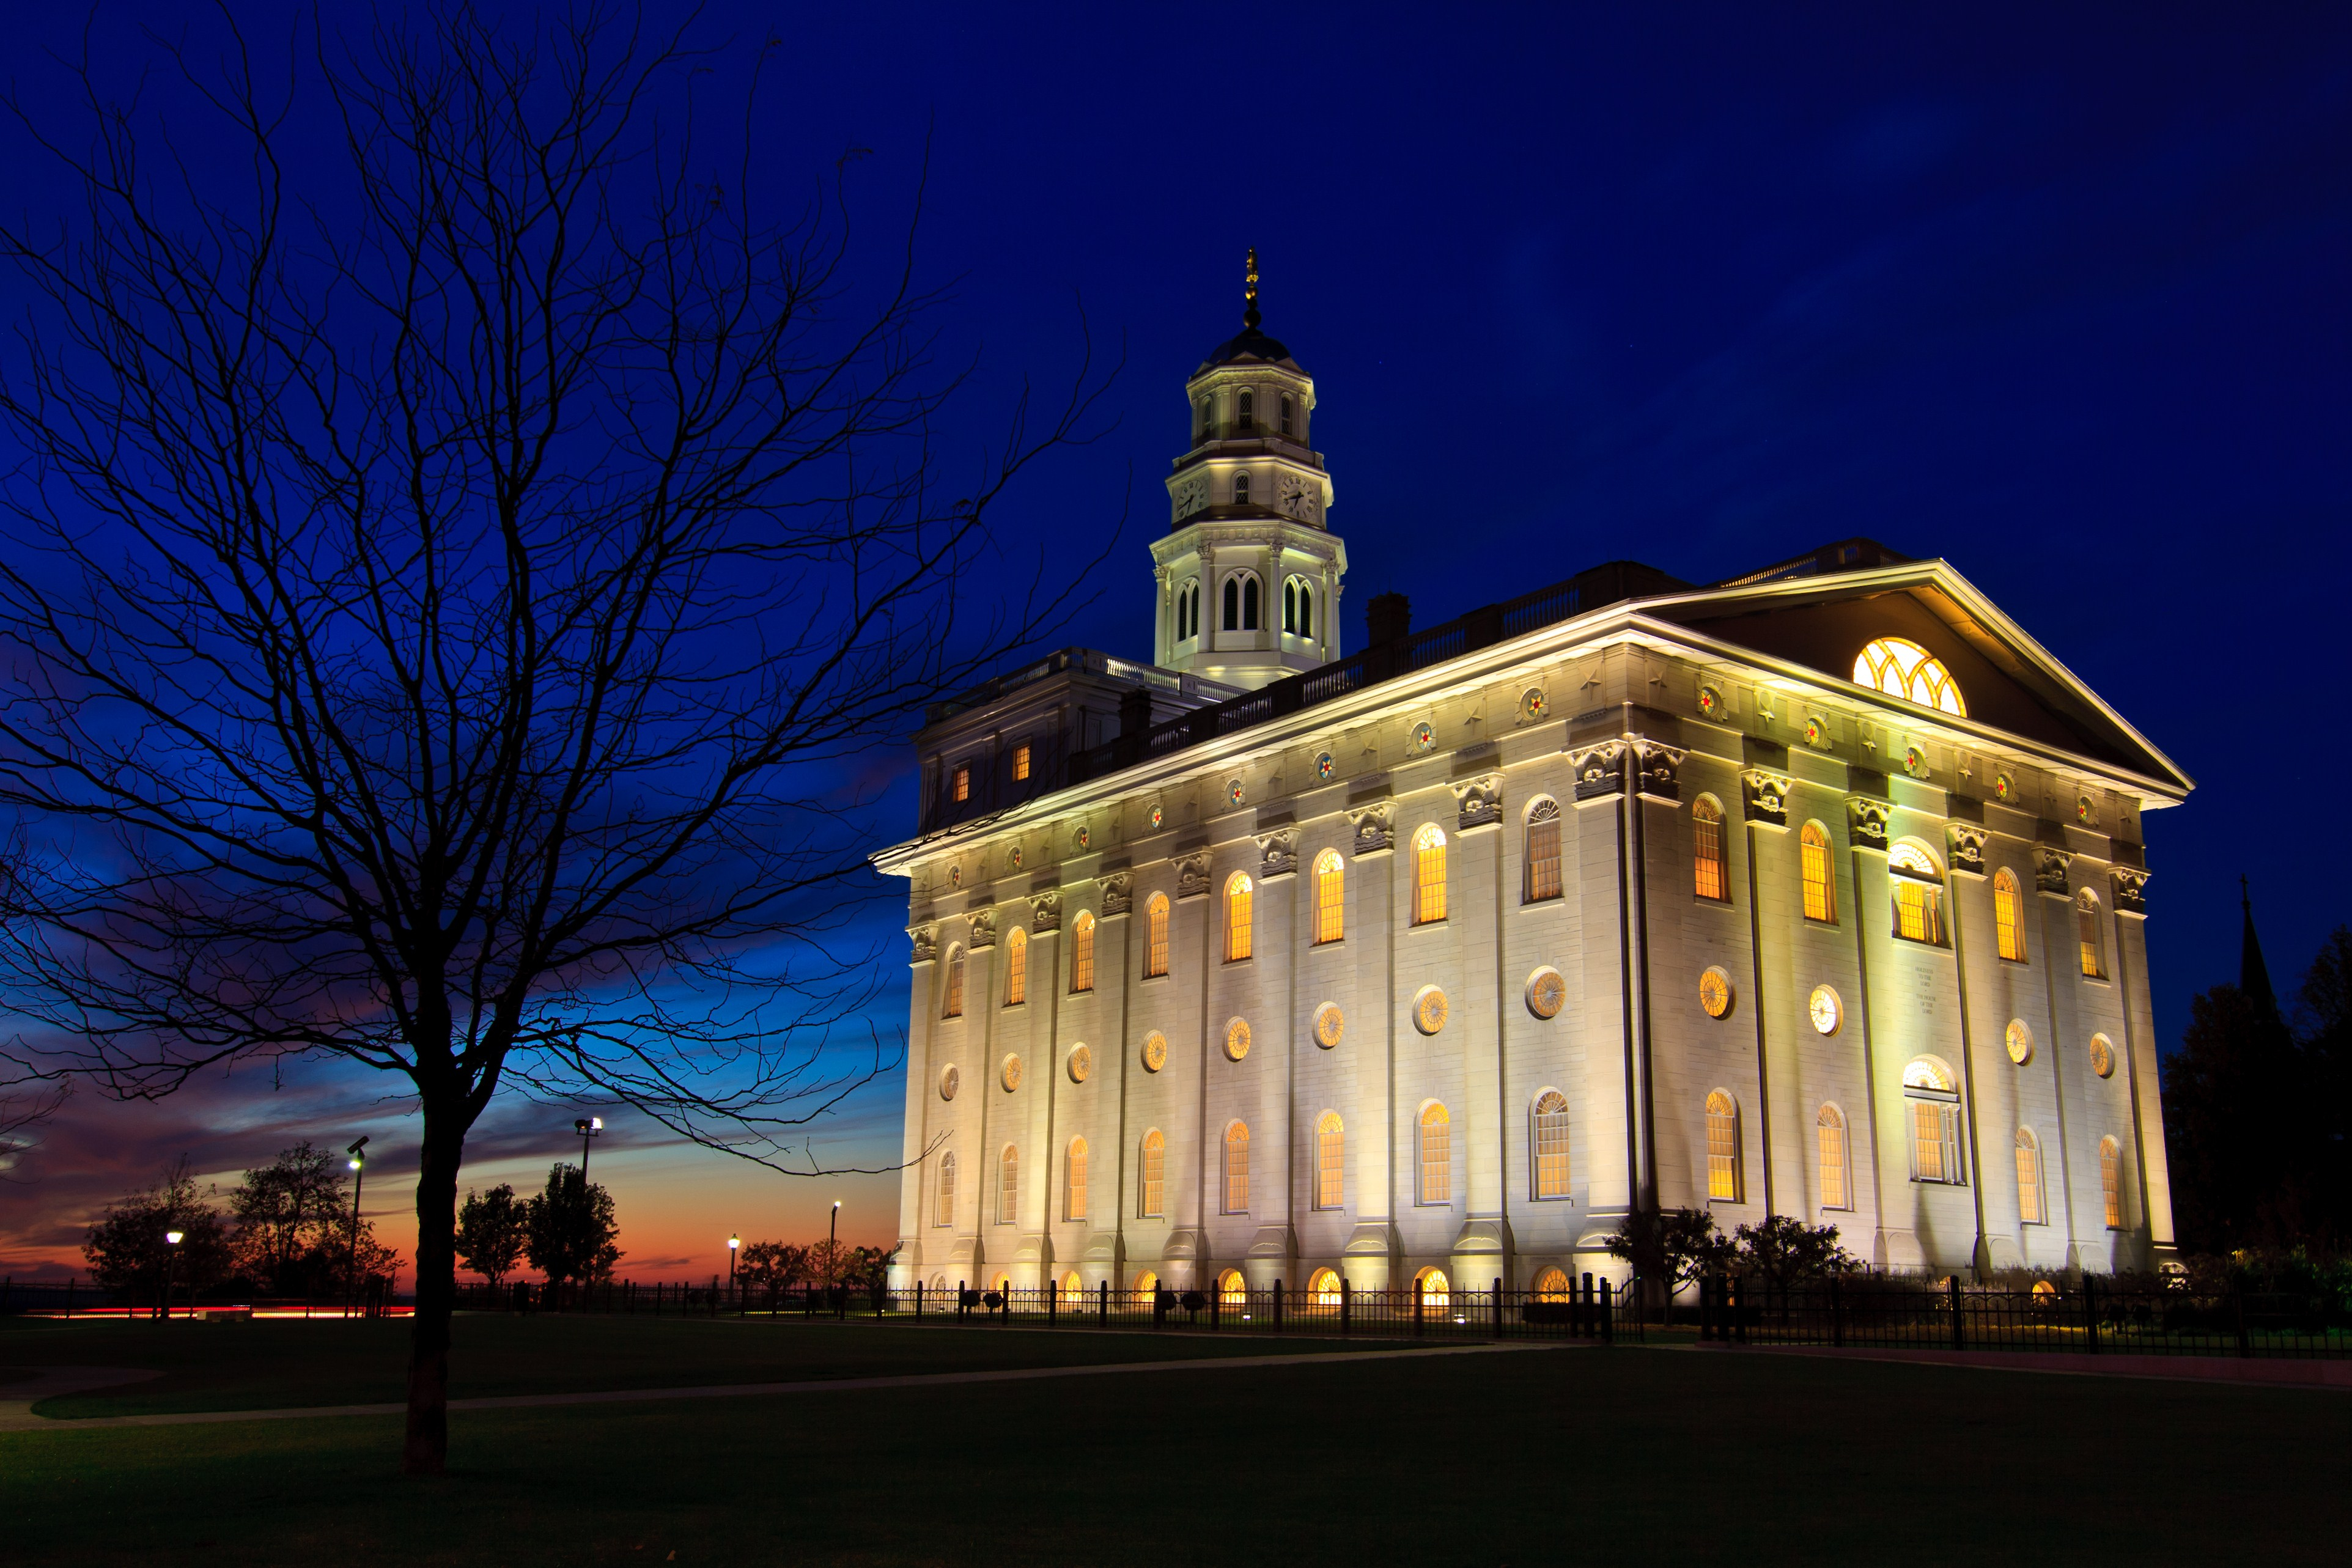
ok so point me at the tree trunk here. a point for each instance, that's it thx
(427, 1451)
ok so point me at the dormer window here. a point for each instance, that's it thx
(963, 785)
(1246, 410)
(1241, 489)
(1020, 761)
(1285, 414)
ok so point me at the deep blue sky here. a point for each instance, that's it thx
(2060, 297)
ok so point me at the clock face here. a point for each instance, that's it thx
(1237, 1040)
(1547, 993)
(1011, 1073)
(1082, 1061)
(2019, 1041)
(1155, 1052)
(1715, 993)
(950, 1081)
(1827, 1011)
(1191, 497)
(1328, 1023)
(1429, 1011)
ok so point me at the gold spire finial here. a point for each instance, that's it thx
(1249, 292)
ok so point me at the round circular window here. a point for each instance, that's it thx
(1817, 731)
(1237, 1040)
(2103, 1056)
(1156, 817)
(1011, 1073)
(1325, 768)
(1082, 1061)
(2020, 1041)
(1233, 790)
(1827, 1011)
(1429, 1009)
(1424, 737)
(2004, 788)
(950, 1082)
(1710, 702)
(1155, 1051)
(1715, 992)
(1328, 1023)
(1546, 992)
(1531, 704)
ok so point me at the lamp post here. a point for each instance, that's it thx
(587, 1127)
(734, 1246)
(833, 1244)
(170, 1267)
(358, 1179)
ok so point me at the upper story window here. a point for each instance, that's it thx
(943, 1213)
(962, 787)
(1550, 1139)
(1017, 966)
(1151, 1200)
(953, 1008)
(2008, 916)
(1285, 414)
(1905, 670)
(2111, 1181)
(1241, 601)
(1298, 607)
(1934, 1101)
(1436, 1155)
(1331, 897)
(1020, 761)
(1814, 856)
(1082, 952)
(1008, 1186)
(1542, 852)
(2031, 1209)
(1829, 1154)
(1241, 489)
(1208, 415)
(1238, 916)
(1155, 945)
(1330, 1160)
(1707, 873)
(1237, 1193)
(1188, 610)
(2088, 936)
(1724, 1172)
(1918, 889)
(1428, 875)
(1246, 410)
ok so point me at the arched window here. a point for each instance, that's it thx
(1285, 414)
(1008, 1186)
(1017, 966)
(1249, 603)
(1933, 1101)
(1290, 605)
(1723, 1164)
(1155, 945)
(1241, 489)
(1905, 670)
(1155, 1166)
(1551, 1285)
(1829, 1139)
(1188, 611)
(1330, 1159)
(1550, 1141)
(1428, 875)
(1238, 916)
(1073, 1181)
(1237, 1168)
(943, 1211)
(1542, 852)
(1331, 897)
(1814, 862)
(2111, 1181)
(1429, 1284)
(2030, 1207)
(1232, 1291)
(1436, 1155)
(1305, 608)
(1147, 1284)
(1245, 409)
(2086, 931)
(954, 1008)
(1706, 850)
(1323, 1288)
(1071, 1287)
(1233, 619)
(2008, 916)
(1208, 417)
(1082, 952)
(1918, 888)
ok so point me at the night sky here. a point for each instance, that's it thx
(2059, 298)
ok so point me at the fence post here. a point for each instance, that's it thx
(1958, 1341)
(2238, 1299)
(1705, 1308)
(1498, 1306)
(2090, 1311)
(1277, 1306)
(1053, 1304)
(1607, 1313)
(1837, 1320)
(1345, 1302)
(1419, 1290)
(1739, 1311)
(1216, 1305)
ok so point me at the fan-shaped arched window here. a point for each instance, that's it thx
(1238, 1194)
(1436, 1155)
(1542, 851)
(1933, 1101)
(1073, 1181)
(1238, 916)
(1017, 966)
(1551, 1285)
(1323, 1288)
(1428, 875)
(1245, 409)
(1331, 897)
(1918, 888)
(1330, 1159)
(2111, 1181)
(1550, 1141)
(1905, 670)
(1155, 945)
(1082, 952)
(1233, 1290)
(2088, 936)
(944, 1209)
(1707, 873)
(1153, 1186)
(954, 1008)
(1432, 1286)
(2030, 1207)
(1813, 866)
(2008, 916)
(1829, 1152)
(1723, 1164)
(1008, 1186)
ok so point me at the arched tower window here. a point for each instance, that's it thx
(1298, 607)
(1723, 1164)
(1082, 952)
(1249, 603)
(1008, 1186)
(1814, 861)
(1428, 875)
(1155, 944)
(1542, 853)
(1246, 410)
(944, 1209)
(1188, 610)
(1550, 1140)
(1241, 489)
(2008, 916)
(1241, 602)
(1238, 1194)
(1331, 897)
(1330, 1159)
(1290, 605)
(1905, 670)
(954, 1008)
(1238, 916)
(1285, 414)
(1708, 874)
(2030, 1207)
(1208, 412)
(1073, 1181)
(2111, 1181)
(1233, 617)
(1436, 1155)
(1932, 1098)
(2088, 936)
(1918, 889)
(1154, 1174)
(1017, 966)
(1829, 1140)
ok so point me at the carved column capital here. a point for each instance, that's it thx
(1192, 874)
(1277, 853)
(2131, 892)
(1046, 913)
(1371, 826)
(1600, 770)
(1865, 823)
(983, 929)
(1478, 802)
(1662, 768)
(2050, 869)
(1964, 847)
(927, 942)
(1764, 797)
(1117, 893)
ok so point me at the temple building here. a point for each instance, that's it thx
(1817, 891)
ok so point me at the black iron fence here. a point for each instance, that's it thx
(2087, 1317)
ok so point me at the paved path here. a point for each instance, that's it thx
(16, 1416)
(18, 1399)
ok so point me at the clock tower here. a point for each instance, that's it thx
(1247, 577)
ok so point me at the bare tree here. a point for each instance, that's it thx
(457, 595)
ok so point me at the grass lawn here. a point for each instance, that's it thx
(1631, 1453)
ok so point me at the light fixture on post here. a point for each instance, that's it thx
(833, 1245)
(171, 1266)
(358, 1179)
(587, 1127)
(734, 1246)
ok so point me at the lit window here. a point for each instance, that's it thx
(1934, 1104)
(2086, 928)
(1829, 1139)
(1020, 761)
(1073, 1182)
(963, 782)
(1082, 952)
(1155, 946)
(1706, 850)
(1147, 1283)
(1155, 1165)
(1551, 1285)
(1245, 409)
(1331, 897)
(1428, 875)
(1551, 1145)
(1429, 1285)
(1542, 854)
(1918, 894)
(1237, 1169)
(943, 1211)
(2030, 1209)
(1008, 1186)
(1071, 1286)
(2111, 1181)
(1905, 670)
(2008, 916)
(1814, 857)
(1330, 1159)
(954, 1008)
(1723, 1172)
(1285, 414)
(1017, 966)
(1233, 1290)
(1323, 1288)
(1238, 916)
(1437, 1155)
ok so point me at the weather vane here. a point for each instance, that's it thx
(1249, 293)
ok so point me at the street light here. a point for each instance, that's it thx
(734, 1245)
(171, 1266)
(587, 1127)
(358, 1179)
(833, 1243)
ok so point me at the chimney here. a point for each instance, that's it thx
(1134, 712)
(1388, 617)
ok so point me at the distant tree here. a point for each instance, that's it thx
(493, 1230)
(127, 1250)
(27, 1099)
(772, 1265)
(1670, 1247)
(284, 1212)
(569, 1229)
(1782, 1251)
